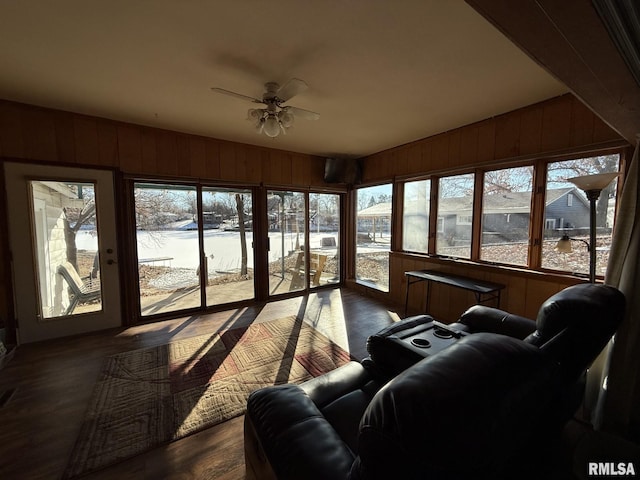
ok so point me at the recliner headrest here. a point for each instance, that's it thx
(483, 396)
(576, 323)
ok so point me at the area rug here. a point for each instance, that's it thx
(148, 397)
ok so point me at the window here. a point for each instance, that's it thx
(455, 198)
(510, 218)
(168, 247)
(324, 238)
(373, 236)
(287, 261)
(506, 210)
(575, 220)
(415, 217)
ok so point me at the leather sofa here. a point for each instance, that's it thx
(477, 409)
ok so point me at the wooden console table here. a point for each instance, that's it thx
(483, 291)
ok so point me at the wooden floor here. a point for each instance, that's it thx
(52, 383)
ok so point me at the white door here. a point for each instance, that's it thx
(62, 235)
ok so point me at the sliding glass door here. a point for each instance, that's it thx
(168, 247)
(324, 239)
(287, 259)
(194, 246)
(304, 240)
(228, 245)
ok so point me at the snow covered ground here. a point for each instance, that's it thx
(182, 246)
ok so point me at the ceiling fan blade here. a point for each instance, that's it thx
(290, 89)
(237, 95)
(302, 113)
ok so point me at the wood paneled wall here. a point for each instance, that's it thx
(559, 125)
(556, 127)
(40, 134)
(44, 135)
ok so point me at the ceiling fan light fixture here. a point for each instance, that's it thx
(275, 118)
(286, 118)
(271, 126)
(254, 114)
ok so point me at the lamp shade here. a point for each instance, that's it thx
(593, 182)
(564, 244)
(271, 126)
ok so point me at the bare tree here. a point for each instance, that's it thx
(243, 238)
(73, 219)
(559, 172)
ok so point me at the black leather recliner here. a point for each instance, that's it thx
(470, 411)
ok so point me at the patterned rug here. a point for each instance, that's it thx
(148, 397)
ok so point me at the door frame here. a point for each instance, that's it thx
(23, 263)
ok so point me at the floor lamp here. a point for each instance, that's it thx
(592, 185)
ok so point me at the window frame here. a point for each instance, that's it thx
(537, 221)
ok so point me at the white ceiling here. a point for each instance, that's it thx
(381, 73)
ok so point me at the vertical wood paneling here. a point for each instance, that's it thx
(129, 148)
(86, 139)
(486, 140)
(149, 154)
(428, 162)
(65, 137)
(400, 161)
(228, 166)
(602, 132)
(414, 158)
(39, 135)
(166, 152)
(107, 144)
(531, 130)
(197, 156)
(556, 124)
(469, 145)
(183, 155)
(582, 124)
(11, 142)
(212, 152)
(440, 150)
(455, 148)
(508, 135)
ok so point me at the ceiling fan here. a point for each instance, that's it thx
(276, 117)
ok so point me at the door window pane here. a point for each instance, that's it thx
(415, 216)
(286, 218)
(168, 247)
(324, 238)
(506, 211)
(570, 216)
(228, 245)
(373, 236)
(66, 247)
(455, 207)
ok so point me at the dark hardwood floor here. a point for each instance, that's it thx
(51, 383)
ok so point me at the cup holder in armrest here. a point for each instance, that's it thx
(421, 342)
(442, 333)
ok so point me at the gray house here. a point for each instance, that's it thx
(506, 216)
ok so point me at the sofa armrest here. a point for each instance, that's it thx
(292, 437)
(389, 353)
(480, 318)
